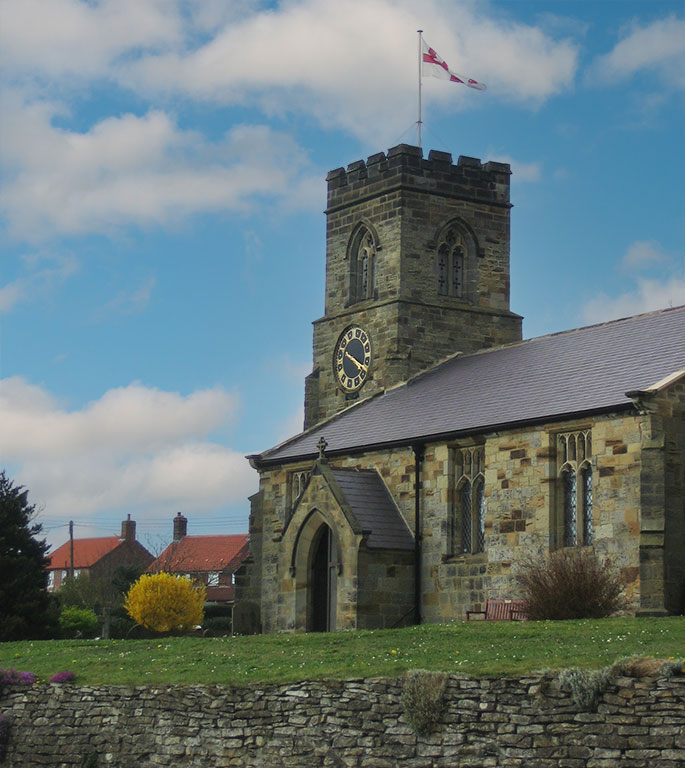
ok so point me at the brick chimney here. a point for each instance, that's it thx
(128, 529)
(180, 527)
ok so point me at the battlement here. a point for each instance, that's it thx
(404, 166)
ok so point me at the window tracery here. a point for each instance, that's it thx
(363, 266)
(574, 461)
(467, 533)
(451, 263)
(298, 481)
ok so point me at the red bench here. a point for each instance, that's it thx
(500, 610)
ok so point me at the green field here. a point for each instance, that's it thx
(476, 648)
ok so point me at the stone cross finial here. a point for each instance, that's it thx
(322, 445)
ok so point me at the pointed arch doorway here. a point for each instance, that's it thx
(323, 582)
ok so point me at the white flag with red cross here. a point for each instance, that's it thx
(434, 66)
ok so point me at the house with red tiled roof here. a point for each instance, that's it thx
(210, 560)
(97, 557)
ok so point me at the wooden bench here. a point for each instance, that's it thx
(500, 610)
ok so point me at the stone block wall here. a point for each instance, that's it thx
(662, 522)
(278, 598)
(486, 723)
(407, 201)
(386, 589)
(523, 513)
(674, 459)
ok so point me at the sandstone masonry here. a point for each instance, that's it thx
(488, 723)
(405, 202)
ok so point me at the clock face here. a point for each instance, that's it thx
(352, 359)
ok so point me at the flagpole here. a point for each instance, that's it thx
(420, 31)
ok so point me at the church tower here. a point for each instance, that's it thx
(417, 268)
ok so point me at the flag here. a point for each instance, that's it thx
(434, 66)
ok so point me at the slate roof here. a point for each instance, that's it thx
(87, 552)
(546, 378)
(203, 553)
(373, 506)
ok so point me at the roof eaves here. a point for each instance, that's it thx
(451, 434)
(659, 385)
(256, 459)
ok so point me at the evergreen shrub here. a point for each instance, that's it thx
(78, 622)
(218, 625)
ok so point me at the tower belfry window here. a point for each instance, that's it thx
(363, 266)
(451, 256)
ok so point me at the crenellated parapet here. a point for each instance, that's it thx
(417, 258)
(405, 167)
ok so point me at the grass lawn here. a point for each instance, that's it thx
(475, 648)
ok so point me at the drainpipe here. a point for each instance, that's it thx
(418, 449)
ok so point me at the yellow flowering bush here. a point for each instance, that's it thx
(163, 602)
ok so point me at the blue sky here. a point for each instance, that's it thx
(163, 172)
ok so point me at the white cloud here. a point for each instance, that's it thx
(657, 48)
(132, 170)
(53, 38)
(43, 273)
(520, 171)
(649, 295)
(351, 64)
(133, 448)
(298, 57)
(343, 61)
(642, 254)
(11, 294)
(126, 418)
(129, 302)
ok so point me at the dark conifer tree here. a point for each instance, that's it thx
(27, 611)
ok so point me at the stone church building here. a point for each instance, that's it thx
(440, 449)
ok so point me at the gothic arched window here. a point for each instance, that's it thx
(479, 515)
(363, 265)
(467, 529)
(465, 499)
(574, 456)
(451, 265)
(586, 489)
(570, 486)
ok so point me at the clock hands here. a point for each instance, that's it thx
(359, 365)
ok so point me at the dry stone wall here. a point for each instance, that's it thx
(486, 723)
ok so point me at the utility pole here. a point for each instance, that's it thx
(71, 548)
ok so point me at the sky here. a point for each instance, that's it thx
(162, 236)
